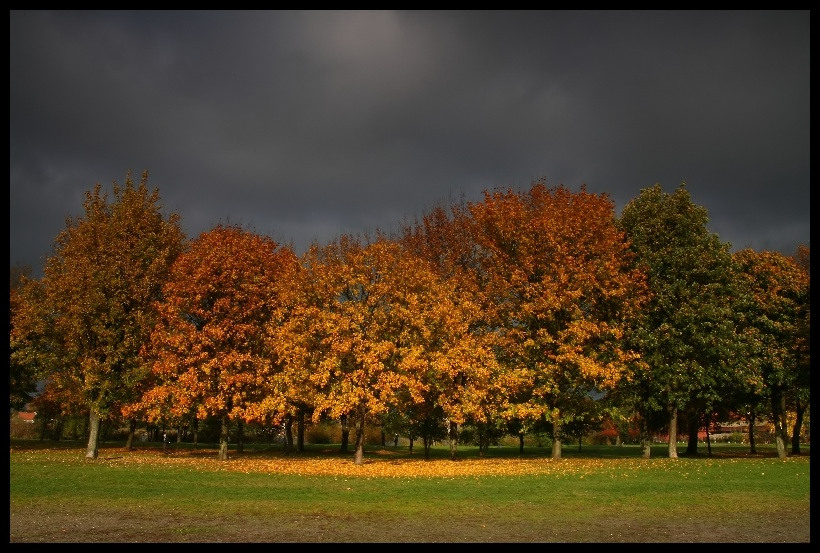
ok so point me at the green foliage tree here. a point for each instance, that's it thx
(686, 332)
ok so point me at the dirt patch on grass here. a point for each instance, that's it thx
(105, 526)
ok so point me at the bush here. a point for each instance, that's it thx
(319, 434)
(20, 429)
(373, 435)
(729, 438)
(512, 440)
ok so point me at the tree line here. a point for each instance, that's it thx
(527, 309)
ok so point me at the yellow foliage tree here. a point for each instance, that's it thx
(374, 325)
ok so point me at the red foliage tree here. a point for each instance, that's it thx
(208, 353)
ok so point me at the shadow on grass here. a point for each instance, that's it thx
(403, 452)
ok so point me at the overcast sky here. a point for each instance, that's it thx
(303, 125)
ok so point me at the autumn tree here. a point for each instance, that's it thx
(560, 290)
(107, 268)
(207, 352)
(776, 324)
(294, 348)
(472, 392)
(376, 324)
(28, 325)
(800, 400)
(686, 333)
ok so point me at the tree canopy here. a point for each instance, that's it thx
(685, 334)
(207, 352)
(108, 267)
(529, 309)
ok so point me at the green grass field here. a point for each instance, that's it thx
(597, 494)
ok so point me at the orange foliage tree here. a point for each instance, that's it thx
(29, 358)
(559, 287)
(776, 325)
(207, 352)
(800, 400)
(107, 268)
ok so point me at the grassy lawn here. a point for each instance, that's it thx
(597, 494)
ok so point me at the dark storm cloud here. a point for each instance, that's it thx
(303, 125)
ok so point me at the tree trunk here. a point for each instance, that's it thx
(796, 429)
(646, 446)
(778, 409)
(105, 427)
(556, 436)
(240, 436)
(288, 433)
(132, 429)
(87, 427)
(751, 418)
(300, 431)
(59, 426)
(692, 441)
(453, 435)
(358, 457)
(784, 424)
(223, 440)
(195, 427)
(521, 442)
(92, 450)
(673, 433)
(345, 433)
(708, 441)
